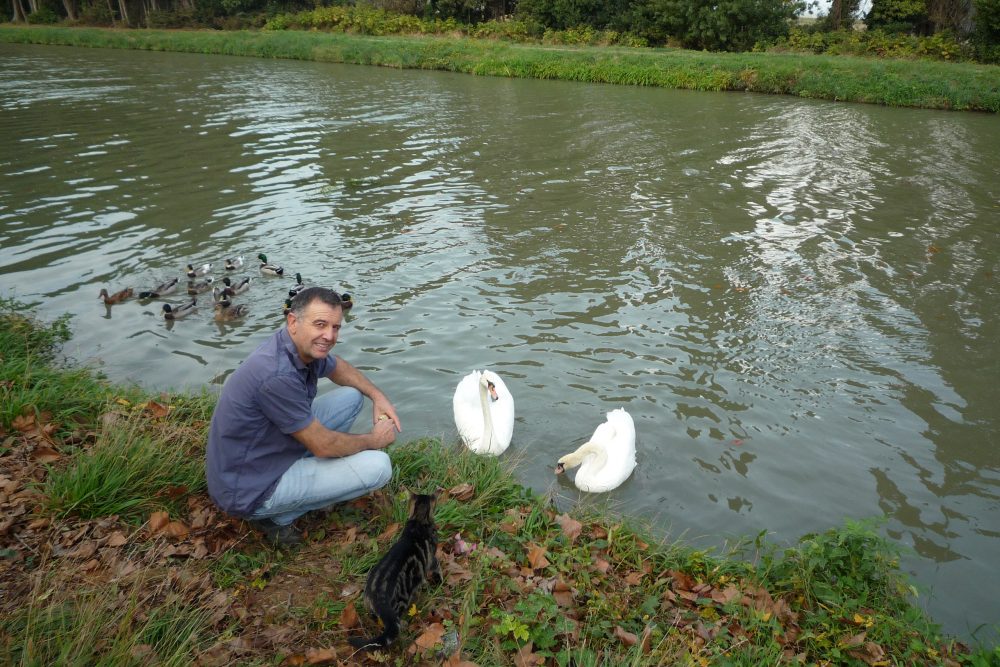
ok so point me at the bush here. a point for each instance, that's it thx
(941, 46)
(44, 15)
(727, 25)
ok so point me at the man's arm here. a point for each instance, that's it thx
(347, 375)
(324, 443)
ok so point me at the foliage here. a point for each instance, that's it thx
(940, 46)
(897, 16)
(729, 25)
(566, 14)
(986, 36)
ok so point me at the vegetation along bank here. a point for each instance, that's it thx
(906, 83)
(111, 553)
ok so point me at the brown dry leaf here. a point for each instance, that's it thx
(350, 536)
(24, 423)
(389, 532)
(455, 660)
(294, 660)
(726, 596)
(173, 492)
(856, 640)
(563, 594)
(349, 617)
(430, 637)
(646, 640)
(462, 492)
(571, 528)
(91, 564)
(157, 520)
(158, 410)
(38, 524)
(601, 565)
(321, 656)
(350, 590)
(598, 532)
(527, 658)
(44, 454)
(634, 578)
(536, 556)
(625, 636)
(176, 530)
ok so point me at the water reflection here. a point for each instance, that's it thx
(796, 301)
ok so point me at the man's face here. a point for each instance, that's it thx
(315, 333)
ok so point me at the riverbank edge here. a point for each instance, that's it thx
(917, 84)
(515, 567)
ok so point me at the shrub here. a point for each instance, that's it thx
(44, 15)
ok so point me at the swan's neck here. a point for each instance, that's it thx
(595, 456)
(484, 401)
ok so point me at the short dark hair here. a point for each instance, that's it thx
(310, 294)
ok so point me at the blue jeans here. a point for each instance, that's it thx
(313, 483)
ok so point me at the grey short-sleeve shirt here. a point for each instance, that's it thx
(250, 447)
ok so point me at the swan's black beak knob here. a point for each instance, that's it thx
(560, 468)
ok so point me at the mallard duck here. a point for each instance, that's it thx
(199, 287)
(195, 271)
(222, 294)
(288, 306)
(167, 287)
(117, 297)
(234, 263)
(484, 412)
(298, 287)
(345, 301)
(608, 458)
(225, 310)
(269, 269)
(179, 311)
(237, 287)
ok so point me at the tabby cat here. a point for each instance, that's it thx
(394, 580)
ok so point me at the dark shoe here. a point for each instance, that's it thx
(283, 535)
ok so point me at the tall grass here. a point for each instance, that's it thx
(29, 382)
(936, 85)
(135, 467)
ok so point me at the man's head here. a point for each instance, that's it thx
(314, 319)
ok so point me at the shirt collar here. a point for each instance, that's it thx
(285, 340)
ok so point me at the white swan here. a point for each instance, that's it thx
(484, 412)
(608, 458)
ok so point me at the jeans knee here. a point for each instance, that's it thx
(381, 469)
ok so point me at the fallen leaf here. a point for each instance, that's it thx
(601, 565)
(634, 578)
(536, 557)
(430, 637)
(45, 454)
(158, 520)
(462, 492)
(571, 528)
(389, 532)
(563, 594)
(625, 636)
(294, 660)
(157, 409)
(349, 617)
(24, 423)
(85, 550)
(176, 530)
(321, 656)
(526, 657)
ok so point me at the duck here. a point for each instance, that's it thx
(179, 311)
(288, 306)
(199, 287)
(225, 310)
(195, 271)
(346, 302)
(167, 287)
(222, 294)
(484, 412)
(237, 287)
(117, 297)
(234, 263)
(608, 458)
(298, 287)
(269, 269)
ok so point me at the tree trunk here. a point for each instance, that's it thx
(20, 16)
(70, 7)
(111, 11)
(124, 13)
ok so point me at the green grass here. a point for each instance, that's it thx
(925, 84)
(133, 469)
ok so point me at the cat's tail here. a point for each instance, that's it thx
(381, 641)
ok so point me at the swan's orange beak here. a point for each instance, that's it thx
(560, 468)
(493, 391)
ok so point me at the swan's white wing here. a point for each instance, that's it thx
(501, 413)
(617, 436)
(468, 411)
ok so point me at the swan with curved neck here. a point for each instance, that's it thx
(608, 458)
(484, 412)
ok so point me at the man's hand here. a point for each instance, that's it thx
(384, 432)
(382, 410)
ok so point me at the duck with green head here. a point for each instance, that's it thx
(269, 269)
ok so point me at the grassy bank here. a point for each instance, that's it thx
(111, 553)
(924, 84)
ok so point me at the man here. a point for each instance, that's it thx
(274, 453)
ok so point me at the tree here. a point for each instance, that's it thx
(898, 16)
(715, 25)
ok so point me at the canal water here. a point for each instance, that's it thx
(797, 301)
